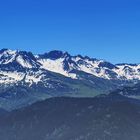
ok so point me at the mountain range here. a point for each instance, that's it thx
(26, 78)
(67, 65)
(57, 96)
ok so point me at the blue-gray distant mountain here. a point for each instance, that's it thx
(106, 117)
(132, 91)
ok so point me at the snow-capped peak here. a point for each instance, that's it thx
(22, 58)
(7, 52)
(57, 61)
(64, 63)
(56, 54)
(7, 56)
(67, 65)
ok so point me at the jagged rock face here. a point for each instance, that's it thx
(11, 59)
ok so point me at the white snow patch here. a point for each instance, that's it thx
(24, 63)
(56, 66)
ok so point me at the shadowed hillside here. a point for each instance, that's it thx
(111, 117)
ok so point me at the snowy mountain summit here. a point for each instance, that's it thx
(18, 65)
(65, 64)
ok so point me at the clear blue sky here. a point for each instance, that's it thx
(107, 29)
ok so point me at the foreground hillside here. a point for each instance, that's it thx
(111, 117)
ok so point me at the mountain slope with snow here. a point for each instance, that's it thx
(65, 64)
(26, 78)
